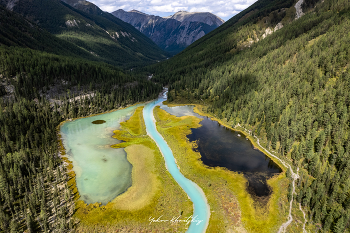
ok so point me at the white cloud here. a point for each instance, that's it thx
(225, 14)
(241, 6)
(200, 9)
(156, 2)
(167, 8)
(222, 8)
(108, 8)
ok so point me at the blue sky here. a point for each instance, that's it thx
(225, 9)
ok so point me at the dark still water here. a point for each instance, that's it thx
(220, 146)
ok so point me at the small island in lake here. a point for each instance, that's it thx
(98, 122)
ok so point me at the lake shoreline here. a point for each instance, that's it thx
(225, 213)
(71, 173)
(62, 150)
(198, 109)
(275, 182)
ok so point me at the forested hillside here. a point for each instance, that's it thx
(34, 186)
(99, 34)
(45, 80)
(16, 31)
(290, 87)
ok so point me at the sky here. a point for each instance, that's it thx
(225, 9)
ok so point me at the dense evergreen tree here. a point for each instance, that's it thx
(290, 88)
(48, 89)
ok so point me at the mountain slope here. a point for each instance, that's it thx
(173, 33)
(97, 32)
(32, 59)
(287, 81)
(44, 81)
(16, 31)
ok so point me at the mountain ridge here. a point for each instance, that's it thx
(172, 33)
(204, 17)
(99, 33)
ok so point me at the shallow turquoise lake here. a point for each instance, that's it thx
(102, 172)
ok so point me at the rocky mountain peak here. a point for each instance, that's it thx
(204, 17)
(84, 5)
(172, 33)
(136, 11)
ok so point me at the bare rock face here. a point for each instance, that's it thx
(298, 9)
(139, 20)
(9, 4)
(72, 23)
(204, 17)
(173, 33)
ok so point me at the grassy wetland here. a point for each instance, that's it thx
(153, 193)
(233, 209)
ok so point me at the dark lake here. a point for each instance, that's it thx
(223, 147)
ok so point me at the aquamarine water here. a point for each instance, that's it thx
(102, 172)
(201, 207)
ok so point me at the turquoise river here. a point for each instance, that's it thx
(195, 193)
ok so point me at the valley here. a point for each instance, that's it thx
(173, 33)
(131, 122)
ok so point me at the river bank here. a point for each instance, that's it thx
(194, 192)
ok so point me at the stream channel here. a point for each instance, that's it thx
(103, 173)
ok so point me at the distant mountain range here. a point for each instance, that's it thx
(173, 33)
(97, 34)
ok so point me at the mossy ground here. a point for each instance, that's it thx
(248, 215)
(154, 193)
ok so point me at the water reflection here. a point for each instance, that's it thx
(223, 147)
